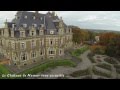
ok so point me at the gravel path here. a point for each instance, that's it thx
(68, 70)
(86, 63)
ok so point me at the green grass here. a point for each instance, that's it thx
(47, 65)
(4, 70)
(105, 66)
(80, 51)
(80, 73)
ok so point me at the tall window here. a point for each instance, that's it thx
(41, 52)
(51, 42)
(23, 56)
(51, 51)
(23, 45)
(32, 33)
(60, 52)
(33, 54)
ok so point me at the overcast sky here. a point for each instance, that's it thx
(108, 20)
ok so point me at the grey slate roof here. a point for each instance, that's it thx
(40, 19)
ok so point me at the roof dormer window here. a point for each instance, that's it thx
(51, 32)
(25, 17)
(24, 25)
(34, 25)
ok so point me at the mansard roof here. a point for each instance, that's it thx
(39, 19)
(49, 20)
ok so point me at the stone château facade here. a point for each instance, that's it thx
(31, 37)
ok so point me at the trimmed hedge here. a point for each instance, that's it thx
(105, 66)
(100, 73)
(80, 73)
(110, 60)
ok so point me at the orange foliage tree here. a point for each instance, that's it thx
(98, 49)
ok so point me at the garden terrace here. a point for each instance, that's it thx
(100, 73)
(51, 64)
(105, 66)
(80, 73)
(110, 60)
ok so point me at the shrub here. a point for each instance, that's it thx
(98, 49)
(80, 51)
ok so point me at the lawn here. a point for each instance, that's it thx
(50, 64)
(80, 51)
(3, 70)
